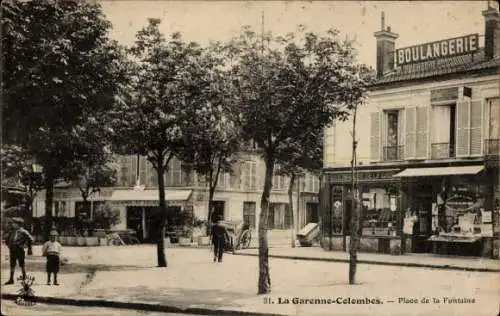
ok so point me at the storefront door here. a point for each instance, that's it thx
(423, 226)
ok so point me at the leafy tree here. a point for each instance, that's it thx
(19, 170)
(150, 122)
(298, 158)
(288, 89)
(59, 65)
(94, 169)
(212, 137)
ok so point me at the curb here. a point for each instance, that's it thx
(136, 306)
(383, 263)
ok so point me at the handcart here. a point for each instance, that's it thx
(240, 235)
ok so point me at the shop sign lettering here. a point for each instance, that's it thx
(440, 49)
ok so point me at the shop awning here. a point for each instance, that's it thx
(149, 195)
(439, 171)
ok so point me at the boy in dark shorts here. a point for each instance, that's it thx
(16, 239)
(52, 251)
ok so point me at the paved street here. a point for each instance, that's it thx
(192, 280)
(9, 308)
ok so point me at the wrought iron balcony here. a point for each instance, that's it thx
(492, 147)
(392, 153)
(442, 150)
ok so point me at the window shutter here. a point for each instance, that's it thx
(463, 128)
(375, 136)
(476, 128)
(410, 131)
(421, 132)
(401, 127)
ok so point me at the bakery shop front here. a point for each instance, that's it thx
(439, 209)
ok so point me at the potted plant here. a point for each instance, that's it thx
(80, 240)
(199, 233)
(105, 217)
(90, 239)
(187, 236)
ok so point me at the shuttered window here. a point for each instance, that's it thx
(375, 136)
(469, 128)
(422, 124)
(463, 128)
(476, 128)
(410, 132)
(401, 128)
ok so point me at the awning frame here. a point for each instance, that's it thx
(439, 171)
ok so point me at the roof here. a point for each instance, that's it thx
(440, 67)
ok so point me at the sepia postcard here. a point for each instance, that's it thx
(250, 158)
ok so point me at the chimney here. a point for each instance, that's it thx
(491, 32)
(385, 48)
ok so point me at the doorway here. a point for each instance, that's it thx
(312, 213)
(218, 209)
(135, 221)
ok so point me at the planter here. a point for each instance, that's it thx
(80, 241)
(203, 241)
(184, 241)
(71, 240)
(102, 241)
(91, 241)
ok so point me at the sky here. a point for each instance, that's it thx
(204, 21)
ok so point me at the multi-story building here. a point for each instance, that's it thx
(236, 198)
(428, 163)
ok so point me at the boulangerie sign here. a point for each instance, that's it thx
(440, 49)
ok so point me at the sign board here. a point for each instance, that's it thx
(440, 49)
(446, 94)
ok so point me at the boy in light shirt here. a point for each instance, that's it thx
(52, 251)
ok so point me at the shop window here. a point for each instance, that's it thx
(443, 131)
(249, 213)
(337, 210)
(379, 212)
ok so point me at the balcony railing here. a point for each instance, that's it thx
(492, 147)
(392, 153)
(442, 150)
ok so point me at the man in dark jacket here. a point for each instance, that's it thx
(219, 238)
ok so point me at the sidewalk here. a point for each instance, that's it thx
(407, 260)
(194, 284)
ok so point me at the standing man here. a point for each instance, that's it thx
(219, 237)
(16, 239)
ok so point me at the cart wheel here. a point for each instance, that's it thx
(246, 238)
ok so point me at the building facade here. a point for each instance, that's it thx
(237, 196)
(428, 163)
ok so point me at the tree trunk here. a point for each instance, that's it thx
(290, 203)
(212, 185)
(49, 199)
(160, 227)
(354, 240)
(264, 285)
